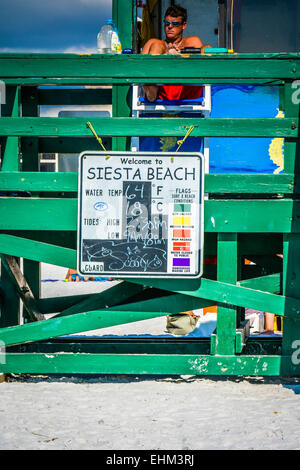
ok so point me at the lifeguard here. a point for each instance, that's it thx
(175, 22)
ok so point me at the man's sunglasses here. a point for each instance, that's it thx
(173, 23)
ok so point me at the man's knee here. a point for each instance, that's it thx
(158, 47)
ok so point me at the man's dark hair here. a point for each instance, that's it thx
(177, 10)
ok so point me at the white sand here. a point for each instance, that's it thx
(149, 413)
(130, 412)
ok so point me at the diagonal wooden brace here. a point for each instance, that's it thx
(16, 275)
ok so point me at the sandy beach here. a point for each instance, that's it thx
(145, 412)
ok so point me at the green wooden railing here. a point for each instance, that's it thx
(247, 216)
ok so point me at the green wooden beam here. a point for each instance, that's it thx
(85, 321)
(228, 294)
(10, 308)
(126, 126)
(209, 290)
(30, 162)
(10, 158)
(250, 243)
(249, 183)
(179, 67)
(122, 12)
(270, 283)
(214, 183)
(167, 364)
(227, 271)
(291, 243)
(257, 216)
(121, 98)
(37, 251)
(125, 81)
(35, 181)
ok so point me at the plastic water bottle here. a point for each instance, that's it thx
(108, 41)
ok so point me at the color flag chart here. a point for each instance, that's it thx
(183, 236)
(140, 214)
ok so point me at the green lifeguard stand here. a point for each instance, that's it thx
(245, 216)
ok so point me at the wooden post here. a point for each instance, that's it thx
(10, 308)
(227, 271)
(291, 248)
(121, 107)
(29, 146)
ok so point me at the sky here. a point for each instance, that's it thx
(51, 25)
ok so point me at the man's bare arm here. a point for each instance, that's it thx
(153, 47)
(192, 41)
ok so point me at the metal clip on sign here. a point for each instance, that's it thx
(180, 142)
(89, 125)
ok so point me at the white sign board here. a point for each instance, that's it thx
(140, 214)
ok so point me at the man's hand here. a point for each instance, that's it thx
(205, 46)
(173, 48)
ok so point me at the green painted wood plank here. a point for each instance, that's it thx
(122, 126)
(121, 107)
(64, 238)
(248, 183)
(37, 251)
(250, 243)
(97, 319)
(125, 81)
(141, 364)
(214, 183)
(270, 283)
(251, 216)
(30, 162)
(206, 289)
(36, 181)
(291, 146)
(122, 13)
(136, 66)
(74, 96)
(10, 153)
(257, 216)
(121, 98)
(228, 294)
(291, 280)
(227, 271)
(10, 308)
(85, 321)
(291, 242)
(38, 214)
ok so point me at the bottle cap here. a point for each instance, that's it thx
(109, 21)
(127, 51)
